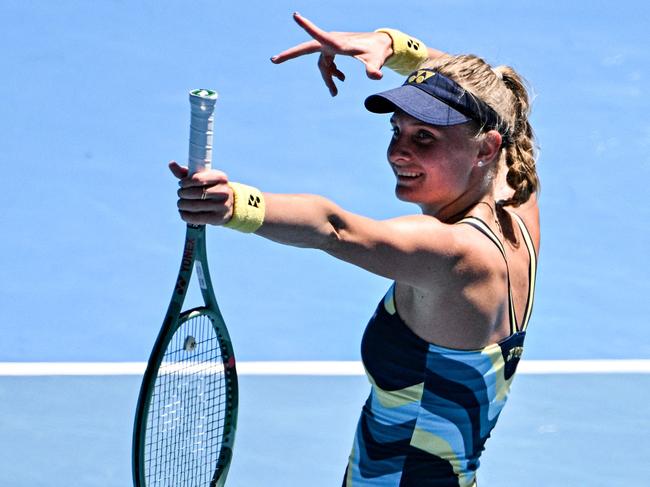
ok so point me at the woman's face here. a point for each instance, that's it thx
(433, 164)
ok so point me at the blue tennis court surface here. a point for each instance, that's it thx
(94, 99)
(560, 430)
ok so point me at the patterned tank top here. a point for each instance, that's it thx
(431, 408)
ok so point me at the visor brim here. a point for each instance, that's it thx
(416, 103)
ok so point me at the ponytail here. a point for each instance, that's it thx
(521, 150)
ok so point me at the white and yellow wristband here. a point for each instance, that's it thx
(248, 208)
(408, 52)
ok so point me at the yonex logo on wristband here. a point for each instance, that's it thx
(413, 44)
(254, 201)
(248, 208)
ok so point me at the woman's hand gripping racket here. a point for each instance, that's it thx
(187, 409)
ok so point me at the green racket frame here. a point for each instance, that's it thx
(194, 251)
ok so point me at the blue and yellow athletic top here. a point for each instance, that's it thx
(431, 408)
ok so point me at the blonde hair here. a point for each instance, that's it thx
(505, 92)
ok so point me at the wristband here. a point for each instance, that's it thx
(408, 52)
(248, 208)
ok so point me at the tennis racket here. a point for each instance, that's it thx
(187, 409)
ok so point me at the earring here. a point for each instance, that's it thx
(480, 163)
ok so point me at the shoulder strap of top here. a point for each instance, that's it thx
(481, 226)
(532, 269)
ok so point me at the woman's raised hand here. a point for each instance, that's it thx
(203, 198)
(371, 48)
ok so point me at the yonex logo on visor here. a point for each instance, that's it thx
(420, 76)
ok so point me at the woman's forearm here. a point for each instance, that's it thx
(300, 220)
(434, 53)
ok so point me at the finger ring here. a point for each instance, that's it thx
(204, 195)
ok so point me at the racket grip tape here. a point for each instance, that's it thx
(202, 104)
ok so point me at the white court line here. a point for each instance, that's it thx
(341, 368)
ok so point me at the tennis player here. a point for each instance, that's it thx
(441, 349)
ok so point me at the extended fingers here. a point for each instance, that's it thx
(308, 47)
(320, 37)
(313, 30)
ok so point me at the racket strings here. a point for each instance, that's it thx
(187, 413)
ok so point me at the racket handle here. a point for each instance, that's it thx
(202, 104)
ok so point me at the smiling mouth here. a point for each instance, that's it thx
(403, 176)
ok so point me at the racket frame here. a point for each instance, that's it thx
(194, 252)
